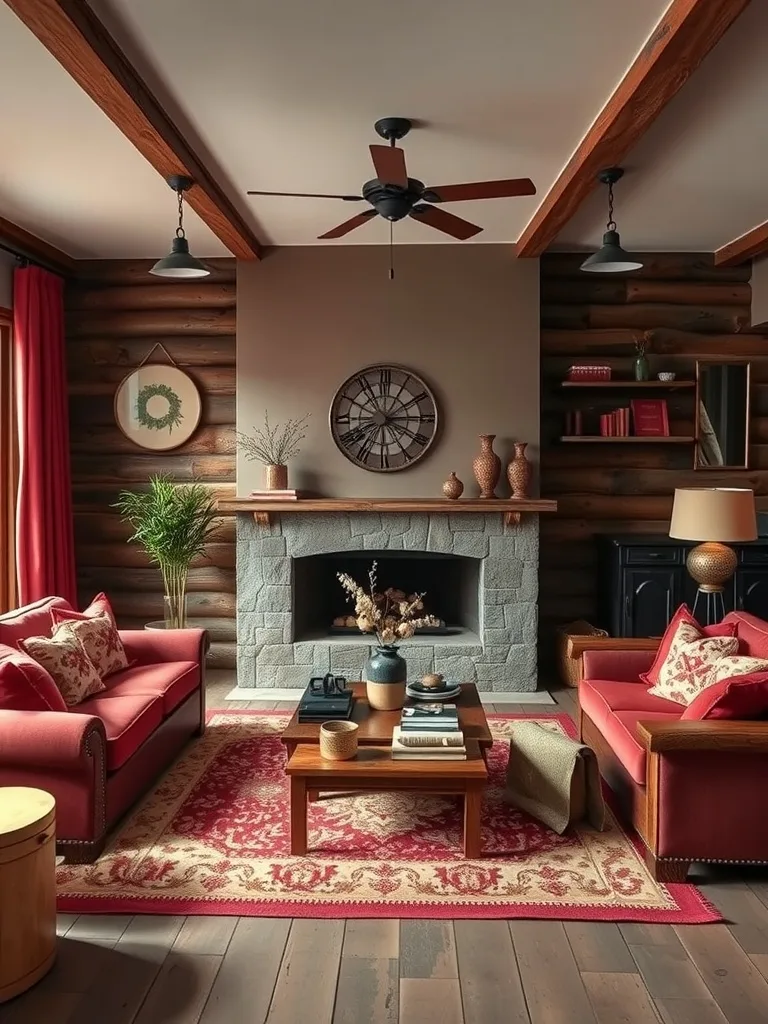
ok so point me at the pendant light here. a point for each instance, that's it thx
(180, 263)
(610, 258)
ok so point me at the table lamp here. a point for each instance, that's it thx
(717, 516)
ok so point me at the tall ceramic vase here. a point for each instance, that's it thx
(385, 675)
(487, 467)
(519, 472)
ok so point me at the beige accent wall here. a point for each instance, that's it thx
(759, 284)
(464, 317)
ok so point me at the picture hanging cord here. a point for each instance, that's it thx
(158, 345)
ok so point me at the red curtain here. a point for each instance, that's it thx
(45, 548)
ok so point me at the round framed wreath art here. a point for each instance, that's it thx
(158, 407)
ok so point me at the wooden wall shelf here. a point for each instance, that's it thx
(633, 385)
(511, 508)
(632, 439)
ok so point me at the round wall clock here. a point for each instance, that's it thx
(158, 407)
(384, 418)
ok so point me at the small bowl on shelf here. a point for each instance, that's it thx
(666, 377)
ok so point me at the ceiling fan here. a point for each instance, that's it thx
(393, 195)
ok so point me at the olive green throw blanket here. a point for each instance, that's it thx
(554, 778)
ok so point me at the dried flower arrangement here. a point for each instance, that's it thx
(642, 342)
(389, 614)
(274, 446)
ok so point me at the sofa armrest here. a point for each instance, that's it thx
(150, 646)
(577, 645)
(622, 665)
(734, 737)
(47, 739)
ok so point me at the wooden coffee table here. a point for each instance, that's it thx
(374, 771)
(375, 727)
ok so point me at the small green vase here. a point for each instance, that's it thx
(385, 676)
(642, 369)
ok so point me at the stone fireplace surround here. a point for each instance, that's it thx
(502, 658)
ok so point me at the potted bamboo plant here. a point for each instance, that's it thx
(274, 447)
(172, 523)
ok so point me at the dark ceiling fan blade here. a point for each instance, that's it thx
(309, 195)
(482, 190)
(444, 221)
(389, 162)
(349, 225)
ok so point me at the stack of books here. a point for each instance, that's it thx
(319, 707)
(615, 424)
(429, 732)
(275, 495)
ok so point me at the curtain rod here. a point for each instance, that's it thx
(25, 259)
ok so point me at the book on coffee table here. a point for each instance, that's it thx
(429, 717)
(429, 747)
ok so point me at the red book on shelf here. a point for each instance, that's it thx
(650, 417)
(604, 425)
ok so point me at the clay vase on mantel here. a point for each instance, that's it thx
(519, 471)
(487, 466)
(276, 478)
(453, 488)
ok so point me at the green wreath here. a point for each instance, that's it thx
(171, 419)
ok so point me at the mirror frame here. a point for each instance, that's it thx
(720, 361)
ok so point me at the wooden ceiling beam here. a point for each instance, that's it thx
(27, 244)
(746, 247)
(72, 33)
(686, 33)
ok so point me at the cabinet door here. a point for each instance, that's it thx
(752, 592)
(650, 600)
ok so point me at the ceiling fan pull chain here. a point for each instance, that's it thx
(391, 253)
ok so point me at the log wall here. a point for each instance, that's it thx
(116, 312)
(694, 310)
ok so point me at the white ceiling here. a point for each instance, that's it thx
(284, 95)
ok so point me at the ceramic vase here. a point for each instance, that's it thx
(453, 488)
(519, 472)
(276, 478)
(385, 675)
(642, 368)
(487, 467)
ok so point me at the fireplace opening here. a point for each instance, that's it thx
(450, 583)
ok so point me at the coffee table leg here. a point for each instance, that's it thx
(473, 801)
(298, 816)
(313, 795)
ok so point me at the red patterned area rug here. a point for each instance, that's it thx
(212, 838)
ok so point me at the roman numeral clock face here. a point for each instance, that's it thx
(384, 418)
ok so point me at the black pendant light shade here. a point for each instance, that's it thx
(610, 258)
(180, 263)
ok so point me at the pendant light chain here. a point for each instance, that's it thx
(180, 233)
(611, 222)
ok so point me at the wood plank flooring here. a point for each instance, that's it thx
(228, 970)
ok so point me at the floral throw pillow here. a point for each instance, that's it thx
(63, 657)
(101, 641)
(687, 668)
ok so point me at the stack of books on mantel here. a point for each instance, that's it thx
(429, 732)
(275, 495)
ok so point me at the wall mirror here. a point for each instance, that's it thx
(722, 414)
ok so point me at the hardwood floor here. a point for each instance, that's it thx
(224, 970)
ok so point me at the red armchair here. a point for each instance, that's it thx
(99, 757)
(694, 790)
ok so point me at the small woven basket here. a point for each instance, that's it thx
(338, 740)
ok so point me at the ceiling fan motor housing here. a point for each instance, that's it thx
(391, 201)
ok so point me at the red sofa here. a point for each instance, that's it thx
(694, 790)
(100, 756)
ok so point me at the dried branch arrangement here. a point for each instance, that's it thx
(389, 614)
(274, 446)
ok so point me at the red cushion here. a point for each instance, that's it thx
(25, 685)
(752, 633)
(99, 606)
(620, 729)
(128, 721)
(599, 697)
(683, 614)
(30, 620)
(173, 681)
(739, 697)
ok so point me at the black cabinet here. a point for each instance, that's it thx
(642, 581)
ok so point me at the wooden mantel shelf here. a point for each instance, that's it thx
(511, 508)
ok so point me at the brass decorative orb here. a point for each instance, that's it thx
(711, 564)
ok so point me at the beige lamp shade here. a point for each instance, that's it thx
(725, 514)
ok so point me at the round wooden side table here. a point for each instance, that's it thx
(27, 888)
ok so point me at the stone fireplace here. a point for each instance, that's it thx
(480, 578)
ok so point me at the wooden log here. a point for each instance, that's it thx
(566, 456)
(105, 526)
(568, 583)
(559, 531)
(220, 630)
(586, 289)
(104, 380)
(618, 341)
(189, 295)
(635, 508)
(586, 480)
(566, 608)
(222, 655)
(690, 293)
(647, 316)
(149, 605)
(110, 440)
(146, 323)
(120, 553)
(88, 497)
(139, 468)
(687, 266)
(148, 580)
(215, 350)
(105, 273)
(218, 409)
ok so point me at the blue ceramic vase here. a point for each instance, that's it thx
(385, 676)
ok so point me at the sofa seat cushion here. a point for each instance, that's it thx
(173, 681)
(128, 721)
(25, 685)
(599, 697)
(620, 730)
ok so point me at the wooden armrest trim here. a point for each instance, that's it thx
(744, 737)
(578, 644)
